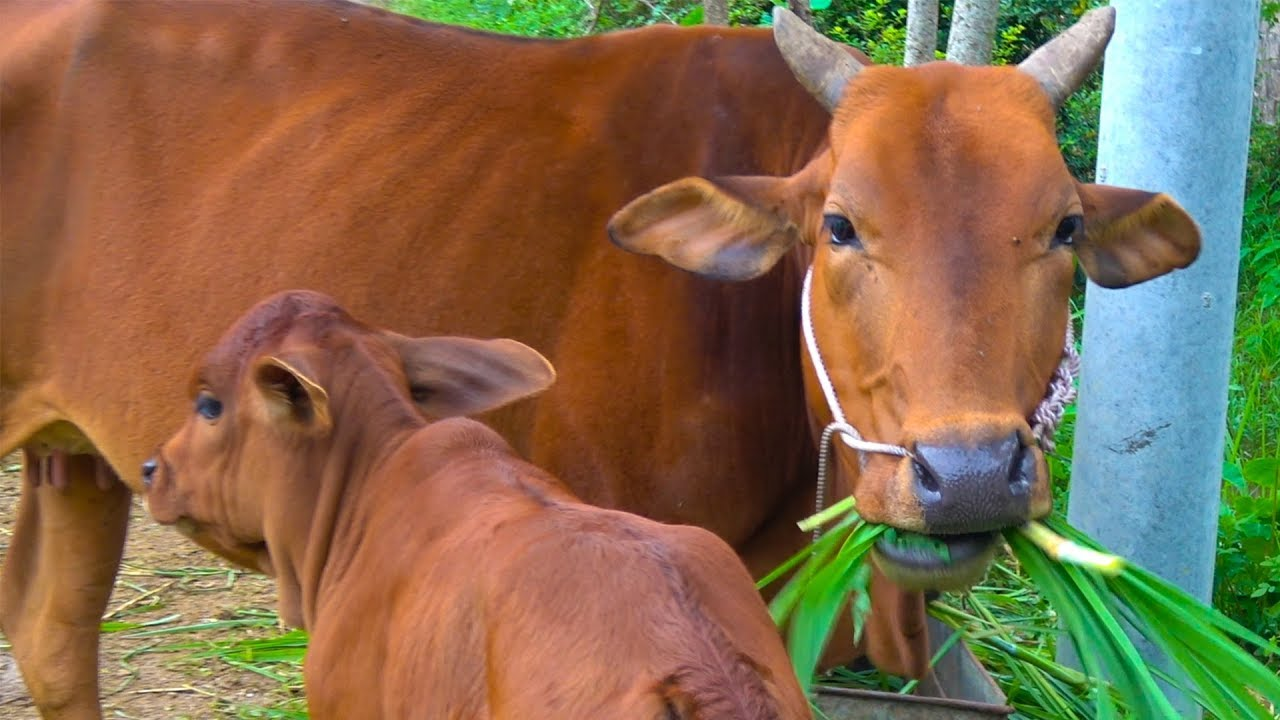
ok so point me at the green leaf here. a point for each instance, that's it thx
(1234, 476)
(1263, 472)
(819, 4)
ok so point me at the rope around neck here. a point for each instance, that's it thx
(1046, 418)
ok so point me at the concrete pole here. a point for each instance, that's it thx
(1176, 100)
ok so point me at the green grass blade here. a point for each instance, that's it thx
(1182, 636)
(784, 603)
(1068, 604)
(815, 616)
(1198, 640)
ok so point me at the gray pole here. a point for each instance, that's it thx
(1176, 100)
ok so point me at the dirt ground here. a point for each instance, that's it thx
(171, 582)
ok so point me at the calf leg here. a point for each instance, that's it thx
(57, 578)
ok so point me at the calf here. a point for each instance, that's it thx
(441, 575)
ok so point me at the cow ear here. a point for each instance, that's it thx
(451, 376)
(291, 397)
(1131, 236)
(732, 228)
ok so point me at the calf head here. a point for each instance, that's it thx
(296, 391)
(942, 226)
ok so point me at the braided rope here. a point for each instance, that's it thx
(1062, 390)
(1046, 418)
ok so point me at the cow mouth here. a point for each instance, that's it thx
(934, 562)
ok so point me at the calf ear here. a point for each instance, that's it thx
(1131, 236)
(733, 228)
(291, 396)
(450, 376)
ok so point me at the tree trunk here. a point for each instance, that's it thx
(802, 11)
(715, 12)
(922, 31)
(973, 32)
(1266, 96)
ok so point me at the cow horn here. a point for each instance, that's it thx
(1062, 64)
(821, 65)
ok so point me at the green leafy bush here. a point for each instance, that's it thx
(1248, 571)
(541, 18)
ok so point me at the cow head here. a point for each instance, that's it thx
(942, 226)
(296, 390)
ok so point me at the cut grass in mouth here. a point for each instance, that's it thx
(914, 548)
(934, 562)
(933, 551)
(1092, 591)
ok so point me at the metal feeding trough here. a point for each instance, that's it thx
(961, 689)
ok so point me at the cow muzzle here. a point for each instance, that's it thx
(966, 493)
(974, 488)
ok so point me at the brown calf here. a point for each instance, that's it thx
(440, 574)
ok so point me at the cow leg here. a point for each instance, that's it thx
(57, 578)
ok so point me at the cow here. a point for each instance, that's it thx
(166, 164)
(438, 573)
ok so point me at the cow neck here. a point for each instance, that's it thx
(1046, 417)
(343, 476)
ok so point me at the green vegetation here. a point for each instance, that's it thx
(277, 656)
(831, 570)
(1092, 590)
(1248, 571)
(551, 18)
(1095, 596)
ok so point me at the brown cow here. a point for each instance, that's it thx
(440, 575)
(168, 163)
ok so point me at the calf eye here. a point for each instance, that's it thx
(842, 232)
(208, 406)
(1068, 230)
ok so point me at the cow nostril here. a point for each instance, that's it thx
(925, 478)
(148, 471)
(1016, 471)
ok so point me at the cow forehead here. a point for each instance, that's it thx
(291, 317)
(944, 92)
(946, 138)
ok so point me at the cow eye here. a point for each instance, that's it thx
(1067, 231)
(208, 406)
(842, 232)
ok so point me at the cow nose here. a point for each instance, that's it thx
(969, 488)
(148, 471)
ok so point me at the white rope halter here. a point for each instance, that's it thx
(1046, 418)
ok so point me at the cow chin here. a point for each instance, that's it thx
(917, 566)
(253, 556)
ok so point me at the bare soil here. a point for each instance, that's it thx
(164, 578)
